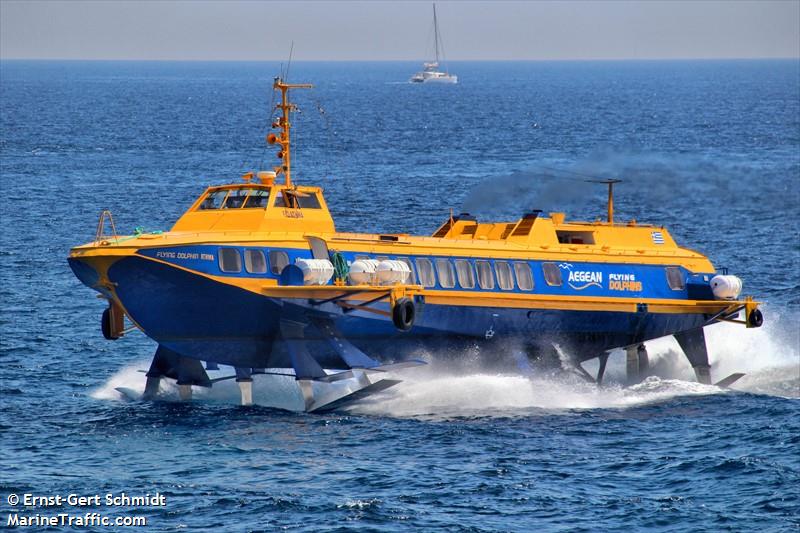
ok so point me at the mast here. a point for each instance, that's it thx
(284, 140)
(436, 34)
(610, 204)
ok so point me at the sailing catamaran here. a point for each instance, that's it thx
(430, 72)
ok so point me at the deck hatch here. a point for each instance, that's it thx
(508, 230)
(575, 237)
(444, 229)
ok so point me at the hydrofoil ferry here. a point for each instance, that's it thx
(255, 276)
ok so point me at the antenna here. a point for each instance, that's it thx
(289, 64)
(610, 183)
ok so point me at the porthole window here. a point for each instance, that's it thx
(552, 274)
(504, 276)
(425, 269)
(447, 278)
(466, 275)
(485, 276)
(278, 260)
(230, 260)
(255, 262)
(524, 276)
(675, 279)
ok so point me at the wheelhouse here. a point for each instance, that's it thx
(258, 207)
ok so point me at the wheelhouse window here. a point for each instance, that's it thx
(303, 200)
(309, 201)
(466, 275)
(552, 274)
(675, 278)
(230, 260)
(425, 269)
(255, 262)
(447, 278)
(278, 259)
(236, 199)
(258, 199)
(505, 279)
(524, 276)
(245, 197)
(214, 200)
(485, 276)
(410, 278)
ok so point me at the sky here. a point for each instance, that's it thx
(399, 30)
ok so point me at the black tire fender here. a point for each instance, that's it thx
(403, 314)
(755, 318)
(105, 325)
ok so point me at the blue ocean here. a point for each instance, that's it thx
(709, 149)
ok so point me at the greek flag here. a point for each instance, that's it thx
(658, 237)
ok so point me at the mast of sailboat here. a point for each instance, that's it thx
(436, 34)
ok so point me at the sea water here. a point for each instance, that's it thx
(709, 149)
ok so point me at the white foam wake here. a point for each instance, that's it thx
(435, 395)
(770, 357)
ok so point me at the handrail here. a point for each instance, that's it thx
(100, 233)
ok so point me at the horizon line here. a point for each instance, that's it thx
(232, 60)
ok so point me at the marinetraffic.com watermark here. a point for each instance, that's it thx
(79, 510)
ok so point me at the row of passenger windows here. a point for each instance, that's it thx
(254, 261)
(462, 270)
(255, 198)
(503, 273)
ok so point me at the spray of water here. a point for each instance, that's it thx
(462, 387)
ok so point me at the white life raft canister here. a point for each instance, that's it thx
(391, 271)
(315, 271)
(726, 287)
(362, 271)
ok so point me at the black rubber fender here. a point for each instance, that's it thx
(403, 314)
(105, 325)
(755, 319)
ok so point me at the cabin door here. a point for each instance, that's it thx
(319, 248)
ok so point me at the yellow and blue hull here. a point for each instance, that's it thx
(188, 305)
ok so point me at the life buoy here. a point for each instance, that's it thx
(105, 325)
(403, 314)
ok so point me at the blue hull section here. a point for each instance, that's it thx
(203, 319)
